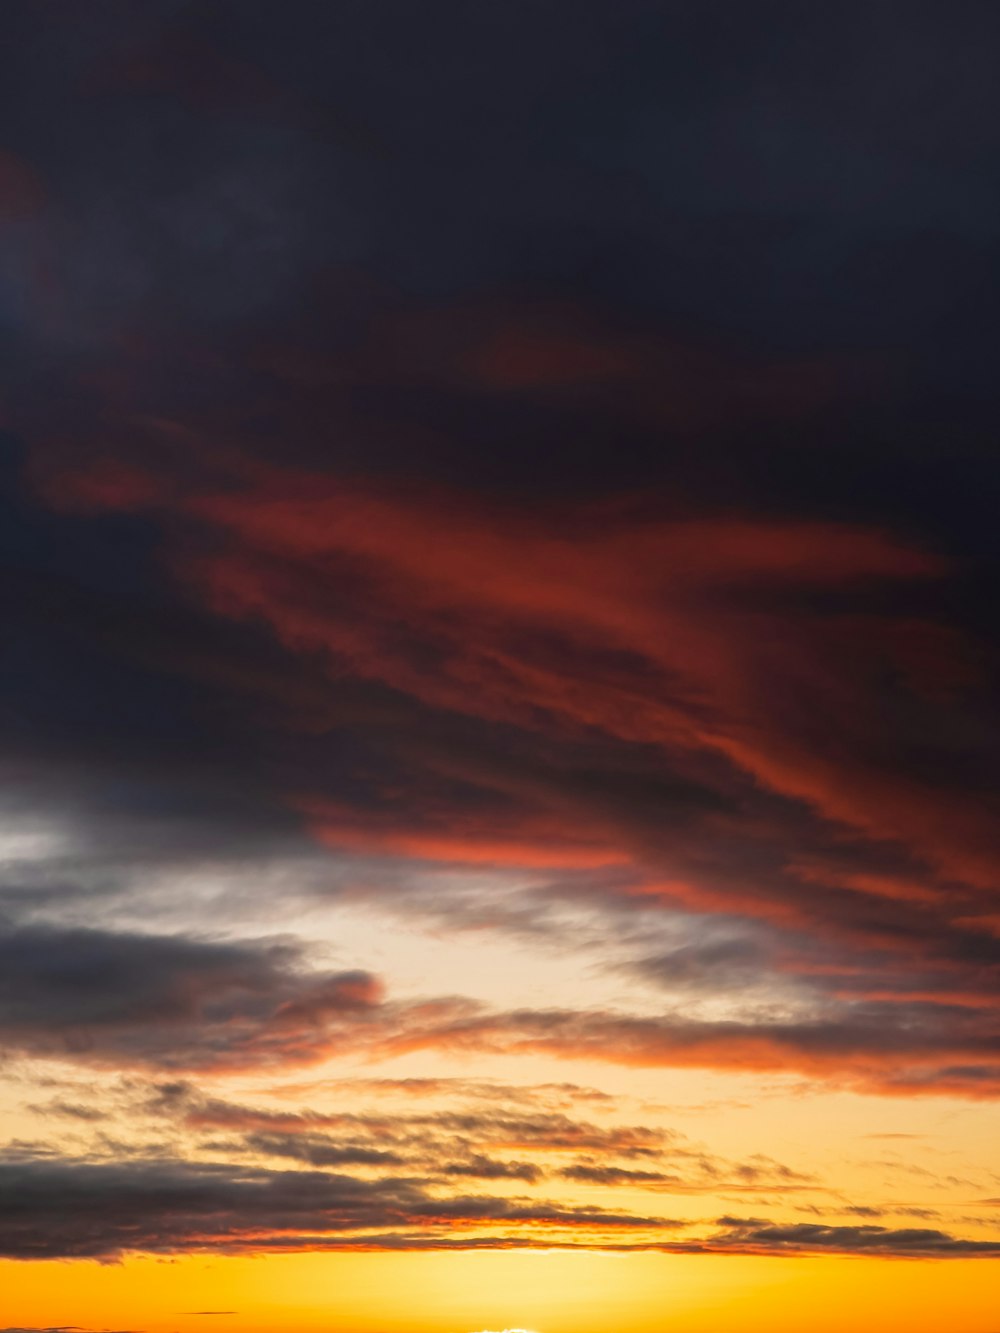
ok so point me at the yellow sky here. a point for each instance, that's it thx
(931, 1155)
(547, 1292)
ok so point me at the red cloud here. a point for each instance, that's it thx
(874, 1052)
(669, 633)
(704, 637)
(763, 663)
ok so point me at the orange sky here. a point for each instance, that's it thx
(550, 1292)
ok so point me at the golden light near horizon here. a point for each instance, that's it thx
(507, 1330)
(691, 1294)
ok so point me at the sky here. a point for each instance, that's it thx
(499, 729)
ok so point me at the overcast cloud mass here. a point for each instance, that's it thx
(500, 733)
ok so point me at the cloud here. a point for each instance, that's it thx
(318, 1150)
(891, 1049)
(807, 1237)
(189, 1003)
(609, 691)
(708, 965)
(169, 1000)
(591, 1174)
(74, 1209)
(508, 1126)
(69, 1111)
(77, 1209)
(485, 1168)
(697, 1172)
(446, 1145)
(621, 704)
(574, 525)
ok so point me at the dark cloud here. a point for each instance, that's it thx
(710, 965)
(73, 1209)
(524, 468)
(66, 1209)
(592, 1174)
(318, 1150)
(447, 1145)
(885, 1048)
(658, 784)
(485, 1168)
(509, 1125)
(169, 1000)
(193, 1003)
(805, 1237)
(212, 172)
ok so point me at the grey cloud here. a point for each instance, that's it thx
(728, 963)
(69, 1111)
(926, 1242)
(83, 1209)
(79, 1209)
(485, 1168)
(169, 1000)
(888, 1047)
(704, 1172)
(430, 1143)
(508, 1128)
(616, 1175)
(318, 1150)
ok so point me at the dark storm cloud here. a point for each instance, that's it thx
(593, 482)
(505, 804)
(172, 1001)
(115, 735)
(525, 468)
(680, 169)
(673, 785)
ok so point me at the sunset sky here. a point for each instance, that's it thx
(500, 726)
